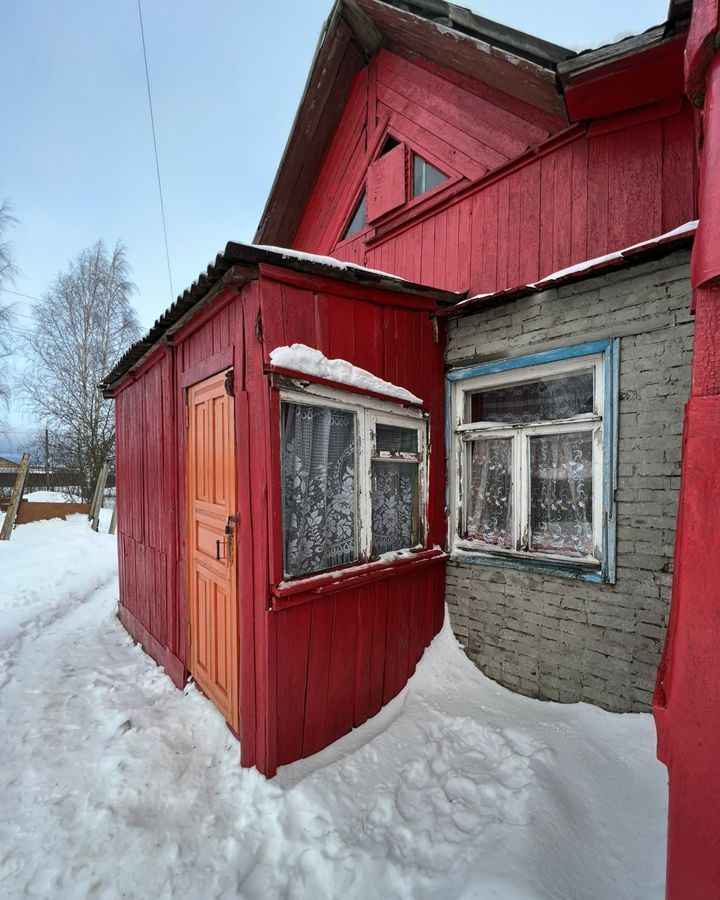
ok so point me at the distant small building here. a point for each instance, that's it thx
(8, 465)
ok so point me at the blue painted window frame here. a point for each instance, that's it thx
(610, 350)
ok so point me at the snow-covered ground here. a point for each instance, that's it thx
(115, 784)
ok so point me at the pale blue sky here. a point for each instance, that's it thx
(76, 156)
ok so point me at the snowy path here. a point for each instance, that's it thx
(114, 784)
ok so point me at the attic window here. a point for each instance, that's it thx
(389, 144)
(359, 218)
(425, 176)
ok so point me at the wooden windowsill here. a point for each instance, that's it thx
(303, 590)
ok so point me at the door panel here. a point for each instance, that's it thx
(211, 466)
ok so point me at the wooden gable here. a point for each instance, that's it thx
(459, 125)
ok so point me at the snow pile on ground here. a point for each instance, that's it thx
(114, 783)
(301, 358)
(49, 497)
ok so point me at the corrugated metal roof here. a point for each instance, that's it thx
(244, 259)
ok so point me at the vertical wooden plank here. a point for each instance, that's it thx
(404, 607)
(465, 234)
(318, 676)
(635, 203)
(341, 684)
(439, 599)
(547, 209)
(258, 425)
(514, 229)
(298, 316)
(415, 253)
(341, 337)
(367, 324)
(491, 269)
(597, 234)
(479, 260)
(440, 261)
(378, 657)
(366, 607)
(529, 223)
(246, 632)
(452, 248)
(562, 236)
(394, 613)
(579, 223)
(677, 167)
(293, 643)
(427, 255)
(320, 312)
(391, 367)
(273, 321)
(413, 606)
(503, 236)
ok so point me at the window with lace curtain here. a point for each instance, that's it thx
(533, 463)
(353, 477)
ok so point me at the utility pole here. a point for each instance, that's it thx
(47, 460)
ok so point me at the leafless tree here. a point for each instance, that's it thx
(82, 326)
(8, 271)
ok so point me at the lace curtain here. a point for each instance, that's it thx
(536, 401)
(318, 488)
(561, 494)
(394, 493)
(489, 504)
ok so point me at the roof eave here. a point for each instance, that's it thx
(236, 266)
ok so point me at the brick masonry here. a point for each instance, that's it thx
(558, 638)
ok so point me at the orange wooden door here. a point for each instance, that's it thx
(211, 466)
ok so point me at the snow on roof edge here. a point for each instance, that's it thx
(324, 260)
(586, 265)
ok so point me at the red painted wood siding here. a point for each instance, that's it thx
(311, 671)
(341, 655)
(146, 495)
(345, 655)
(594, 190)
(462, 125)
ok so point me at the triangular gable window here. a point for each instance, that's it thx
(358, 220)
(425, 176)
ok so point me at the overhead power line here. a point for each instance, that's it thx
(157, 161)
(19, 294)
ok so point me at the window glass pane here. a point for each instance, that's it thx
(395, 506)
(561, 494)
(358, 220)
(318, 488)
(535, 401)
(425, 176)
(489, 516)
(392, 438)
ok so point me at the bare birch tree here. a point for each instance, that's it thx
(8, 272)
(82, 326)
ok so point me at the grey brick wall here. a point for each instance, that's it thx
(559, 638)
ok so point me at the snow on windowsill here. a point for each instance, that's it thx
(588, 264)
(308, 361)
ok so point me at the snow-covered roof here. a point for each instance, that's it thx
(586, 268)
(246, 258)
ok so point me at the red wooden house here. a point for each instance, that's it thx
(288, 526)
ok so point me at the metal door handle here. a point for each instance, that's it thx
(217, 549)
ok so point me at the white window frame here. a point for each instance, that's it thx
(465, 432)
(368, 412)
